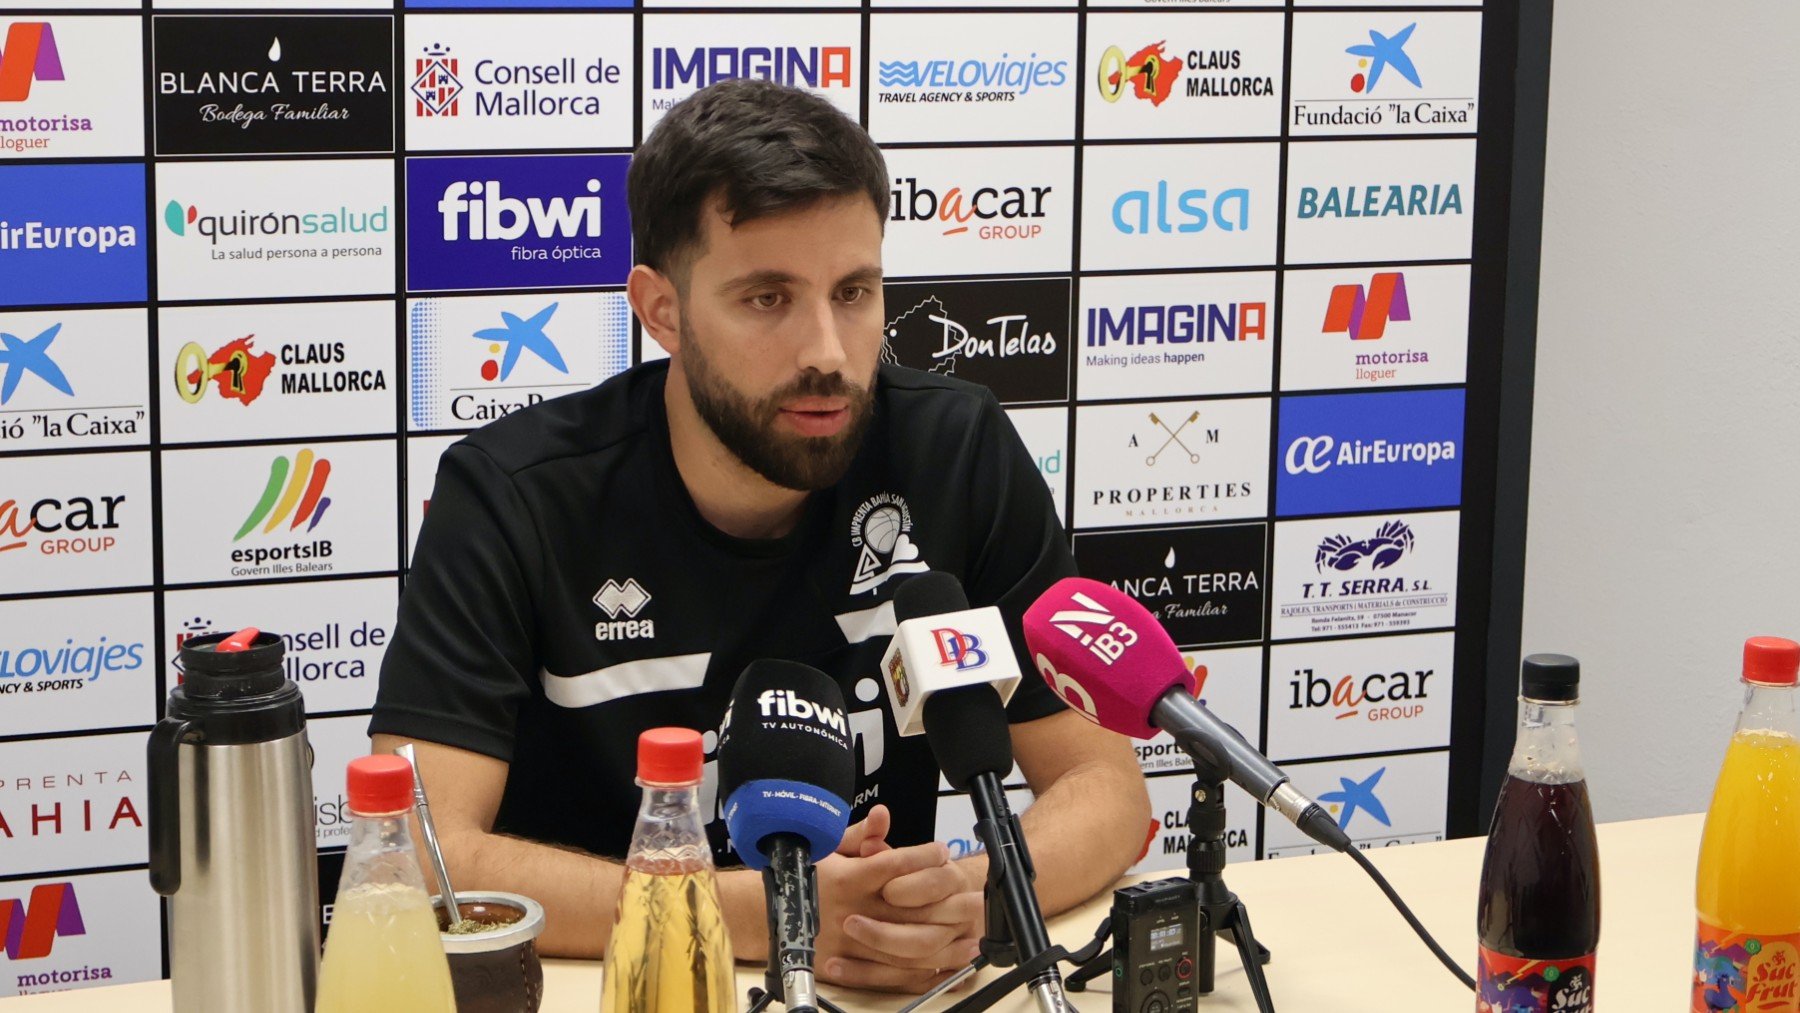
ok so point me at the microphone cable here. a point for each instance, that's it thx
(1411, 919)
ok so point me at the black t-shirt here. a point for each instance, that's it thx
(566, 595)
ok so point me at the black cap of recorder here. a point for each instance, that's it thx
(966, 726)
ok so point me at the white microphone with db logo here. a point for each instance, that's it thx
(933, 653)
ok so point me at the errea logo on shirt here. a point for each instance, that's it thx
(622, 603)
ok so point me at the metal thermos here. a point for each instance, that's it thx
(232, 831)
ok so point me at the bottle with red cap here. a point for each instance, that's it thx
(1747, 895)
(669, 952)
(383, 953)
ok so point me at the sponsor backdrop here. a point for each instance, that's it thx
(260, 263)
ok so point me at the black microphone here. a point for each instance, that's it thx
(967, 728)
(786, 770)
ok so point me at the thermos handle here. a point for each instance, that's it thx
(165, 804)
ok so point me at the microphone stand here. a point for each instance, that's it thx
(1221, 912)
(1001, 835)
(793, 926)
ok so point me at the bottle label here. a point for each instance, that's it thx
(1508, 984)
(1735, 972)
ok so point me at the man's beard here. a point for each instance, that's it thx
(748, 428)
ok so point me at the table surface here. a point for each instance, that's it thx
(1337, 943)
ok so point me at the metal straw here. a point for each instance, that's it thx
(452, 910)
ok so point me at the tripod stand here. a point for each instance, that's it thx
(1221, 912)
(1000, 833)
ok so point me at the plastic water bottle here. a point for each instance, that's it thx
(383, 953)
(669, 951)
(1747, 898)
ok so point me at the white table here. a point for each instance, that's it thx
(1338, 946)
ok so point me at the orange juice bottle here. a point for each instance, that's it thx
(1747, 950)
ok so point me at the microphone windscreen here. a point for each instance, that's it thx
(967, 729)
(931, 593)
(1104, 654)
(785, 759)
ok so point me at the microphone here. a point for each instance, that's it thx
(943, 644)
(786, 769)
(1113, 663)
(951, 668)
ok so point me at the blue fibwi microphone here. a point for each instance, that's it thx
(786, 769)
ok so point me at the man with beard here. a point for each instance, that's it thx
(610, 561)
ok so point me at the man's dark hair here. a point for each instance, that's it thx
(763, 147)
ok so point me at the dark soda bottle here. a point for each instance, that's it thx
(1539, 916)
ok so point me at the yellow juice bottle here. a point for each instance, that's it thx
(669, 952)
(665, 945)
(1747, 895)
(383, 953)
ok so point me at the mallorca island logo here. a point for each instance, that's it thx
(30, 55)
(1000, 334)
(297, 362)
(1148, 73)
(928, 326)
(881, 532)
(942, 360)
(1230, 64)
(238, 370)
(1380, 53)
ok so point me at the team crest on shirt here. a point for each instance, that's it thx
(881, 534)
(622, 603)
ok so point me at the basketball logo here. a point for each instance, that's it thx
(881, 529)
(881, 534)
